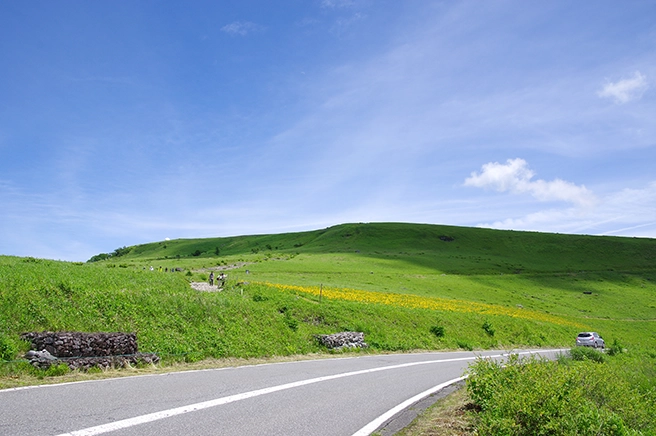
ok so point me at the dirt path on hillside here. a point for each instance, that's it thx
(205, 287)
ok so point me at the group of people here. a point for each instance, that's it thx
(166, 269)
(220, 280)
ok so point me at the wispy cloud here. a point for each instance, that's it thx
(342, 24)
(335, 4)
(617, 213)
(516, 177)
(625, 90)
(241, 28)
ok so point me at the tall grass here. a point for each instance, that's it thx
(582, 396)
(249, 320)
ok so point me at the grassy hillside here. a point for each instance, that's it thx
(448, 249)
(407, 286)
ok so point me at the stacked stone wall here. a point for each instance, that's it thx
(84, 350)
(337, 341)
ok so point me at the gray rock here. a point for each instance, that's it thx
(338, 341)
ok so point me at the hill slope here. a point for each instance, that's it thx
(460, 250)
(406, 286)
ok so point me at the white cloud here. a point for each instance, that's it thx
(628, 212)
(515, 176)
(241, 28)
(625, 90)
(334, 4)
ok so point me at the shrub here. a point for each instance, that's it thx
(438, 331)
(615, 349)
(488, 328)
(465, 345)
(538, 397)
(585, 353)
(291, 322)
(56, 370)
(8, 350)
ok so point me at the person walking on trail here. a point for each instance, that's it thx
(221, 281)
(211, 278)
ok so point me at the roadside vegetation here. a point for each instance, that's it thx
(584, 392)
(406, 286)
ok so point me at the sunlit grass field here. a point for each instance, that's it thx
(406, 286)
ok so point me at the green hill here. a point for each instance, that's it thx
(406, 286)
(459, 250)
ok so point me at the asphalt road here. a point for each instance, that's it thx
(340, 396)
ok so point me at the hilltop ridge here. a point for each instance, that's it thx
(457, 249)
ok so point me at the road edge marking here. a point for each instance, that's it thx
(376, 423)
(373, 425)
(155, 416)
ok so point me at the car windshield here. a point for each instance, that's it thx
(584, 335)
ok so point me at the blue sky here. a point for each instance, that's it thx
(125, 122)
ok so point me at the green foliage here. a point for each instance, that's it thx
(586, 353)
(291, 322)
(615, 348)
(57, 370)
(122, 251)
(602, 284)
(465, 345)
(438, 330)
(536, 397)
(8, 349)
(487, 327)
(99, 257)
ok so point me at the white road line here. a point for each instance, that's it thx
(137, 420)
(373, 425)
(130, 422)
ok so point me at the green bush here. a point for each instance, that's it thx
(464, 345)
(615, 348)
(8, 350)
(438, 331)
(487, 327)
(57, 370)
(291, 322)
(586, 353)
(538, 397)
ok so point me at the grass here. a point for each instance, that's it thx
(584, 392)
(406, 286)
(572, 396)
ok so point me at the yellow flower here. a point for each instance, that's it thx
(417, 302)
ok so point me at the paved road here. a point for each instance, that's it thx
(341, 396)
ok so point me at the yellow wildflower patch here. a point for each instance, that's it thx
(418, 302)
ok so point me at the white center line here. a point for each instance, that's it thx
(137, 420)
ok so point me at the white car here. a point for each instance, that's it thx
(590, 339)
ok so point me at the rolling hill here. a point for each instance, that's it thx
(406, 286)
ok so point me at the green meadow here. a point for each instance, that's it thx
(528, 289)
(406, 286)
